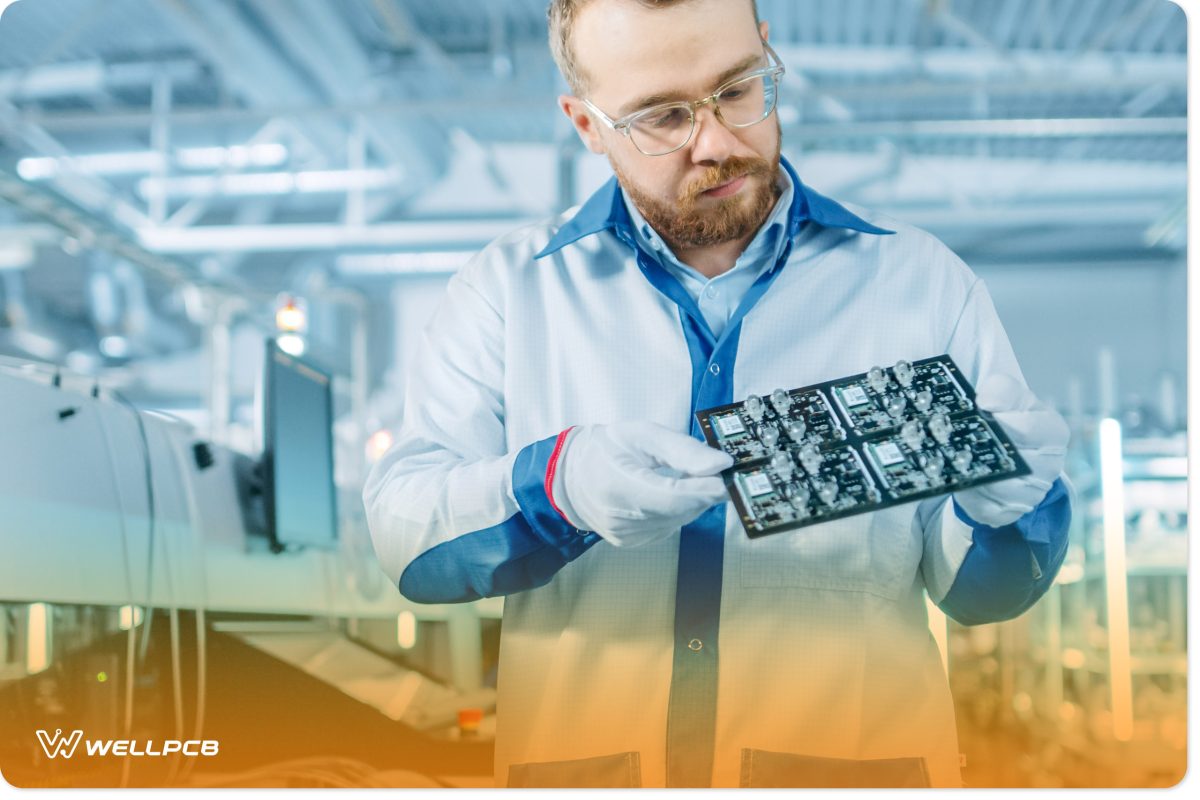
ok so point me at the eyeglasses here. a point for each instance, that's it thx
(740, 103)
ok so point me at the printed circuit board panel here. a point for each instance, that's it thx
(858, 444)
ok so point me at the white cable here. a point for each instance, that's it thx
(173, 611)
(152, 536)
(173, 616)
(189, 493)
(131, 641)
(151, 516)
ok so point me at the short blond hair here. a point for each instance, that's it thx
(561, 16)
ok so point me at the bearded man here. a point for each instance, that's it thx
(549, 450)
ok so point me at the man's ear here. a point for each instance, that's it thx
(585, 126)
(764, 29)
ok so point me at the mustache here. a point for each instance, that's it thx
(728, 170)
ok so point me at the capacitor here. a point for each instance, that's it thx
(781, 401)
(912, 434)
(903, 372)
(769, 435)
(962, 460)
(783, 465)
(923, 401)
(877, 378)
(828, 492)
(795, 430)
(932, 466)
(799, 495)
(895, 405)
(754, 407)
(939, 427)
(810, 459)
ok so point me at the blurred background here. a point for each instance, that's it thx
(206, 205)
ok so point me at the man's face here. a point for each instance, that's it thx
(721, 185)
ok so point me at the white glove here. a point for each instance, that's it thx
(1040, 435)
(636, 482)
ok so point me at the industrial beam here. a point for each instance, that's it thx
(993, 128)
(438, 235)
(314, 31)
(462, 235)
(75, 78)
(87, 190)
(248, 63)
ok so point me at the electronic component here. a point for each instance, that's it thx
(858, 444)
(752, 430)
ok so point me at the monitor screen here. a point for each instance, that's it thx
(298, 452)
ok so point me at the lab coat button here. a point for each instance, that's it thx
(715, 369)
(695, 644)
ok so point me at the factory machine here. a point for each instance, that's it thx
(154, 585)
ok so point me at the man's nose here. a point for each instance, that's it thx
(713, 141)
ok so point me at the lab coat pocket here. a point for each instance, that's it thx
(876, 553)
(616, 771)
(762, 769)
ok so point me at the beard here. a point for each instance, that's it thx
(684, 225)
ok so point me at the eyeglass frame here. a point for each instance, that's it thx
(624, 125)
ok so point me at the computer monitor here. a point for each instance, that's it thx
(298, 487)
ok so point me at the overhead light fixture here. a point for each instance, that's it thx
(291, 318)
(1069, 573)
(446, 262)
(415, 235)
(788, 114)
(1116, 578)
(129, 617)
(270, 154)
(16, 253)
(291, 314)
(406, 629)
(114, 346)
(267, 183)
(292, 344)
(379, 443)
(266, 155)
(37, 638)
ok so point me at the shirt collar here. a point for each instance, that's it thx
(768, 239)
(605, 210)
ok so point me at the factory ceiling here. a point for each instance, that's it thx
(153, 149)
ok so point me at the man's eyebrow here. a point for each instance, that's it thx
(667, 97)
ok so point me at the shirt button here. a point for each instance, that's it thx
(715, 369)
(694, 645)
(711, 292)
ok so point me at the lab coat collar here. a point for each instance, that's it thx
(605, 210)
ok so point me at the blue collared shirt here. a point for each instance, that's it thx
(719, 297)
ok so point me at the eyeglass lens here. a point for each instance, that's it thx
(741, 104)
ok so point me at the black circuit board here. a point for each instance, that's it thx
(858, 444)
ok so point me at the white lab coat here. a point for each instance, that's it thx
(826, 659)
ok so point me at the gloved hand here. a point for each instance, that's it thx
(636, 482)
(1041, 436)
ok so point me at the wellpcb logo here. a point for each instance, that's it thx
(60, 745)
